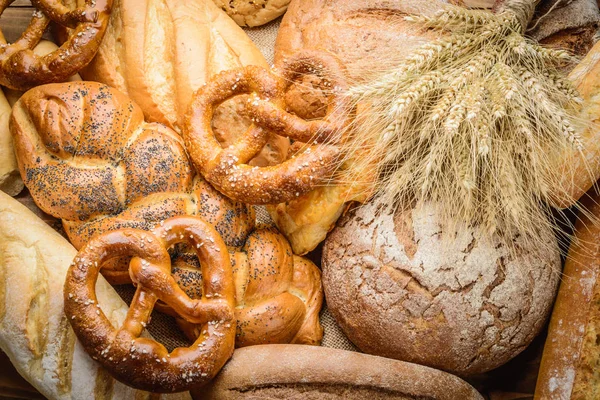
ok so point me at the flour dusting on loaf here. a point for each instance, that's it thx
(457, 301)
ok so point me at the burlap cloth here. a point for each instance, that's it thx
(163, 327)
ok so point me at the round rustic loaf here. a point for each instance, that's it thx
(449, 299)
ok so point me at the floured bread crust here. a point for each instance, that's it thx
(34, 331)
(453, 301)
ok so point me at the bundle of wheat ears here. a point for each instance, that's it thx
(470, 121)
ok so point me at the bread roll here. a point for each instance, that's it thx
(159, 52)
(278, 294)
(306, 372)
(34, 331)
(572, 350)
(253, 12)
(456, 300)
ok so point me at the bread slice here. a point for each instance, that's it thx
(310, 372)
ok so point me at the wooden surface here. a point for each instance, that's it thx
(513, 381)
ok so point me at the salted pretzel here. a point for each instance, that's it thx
(141, 362)
(21, 69)
(227, 169)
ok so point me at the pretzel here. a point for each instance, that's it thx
(228, 170)
(141, 362)
(21, 69)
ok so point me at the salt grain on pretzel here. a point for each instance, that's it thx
(227, 169)
(150, 270)
(21, 69)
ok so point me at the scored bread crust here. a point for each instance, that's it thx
(34, 331)
(159, 52)
(458, 300)
(307, 372)
(572, 351)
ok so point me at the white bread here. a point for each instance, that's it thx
(159, 52)
(34, 331)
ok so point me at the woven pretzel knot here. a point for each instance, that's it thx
(142, 362)
(21, 69)
(262, 93)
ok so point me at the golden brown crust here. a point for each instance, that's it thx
(21, 68)
(88, 157)
(316, 373)
(227, 168)
(572, 349)
(449, 297)
(141, 362)
(278, 294)
(253, 12)
(579, 170)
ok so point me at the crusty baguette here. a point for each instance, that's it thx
(572, 351)
(34, 331)
(308, 372)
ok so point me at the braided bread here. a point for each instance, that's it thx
(88, 157)
(278, 294)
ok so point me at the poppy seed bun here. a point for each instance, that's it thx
(450, 301)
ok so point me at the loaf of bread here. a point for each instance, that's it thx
(88, 158)
(253, 12)
(160, 52)
(579, 170)
(572, 350)
(34, 331)
(315, 373)
(361, 35)
(458, 300)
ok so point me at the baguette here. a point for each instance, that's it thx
(570, 360)
(34, 332)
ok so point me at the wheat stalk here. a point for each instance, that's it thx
(471, 121)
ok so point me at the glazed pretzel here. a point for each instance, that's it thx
(264, 92)
(21, 69)
(142, 362)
